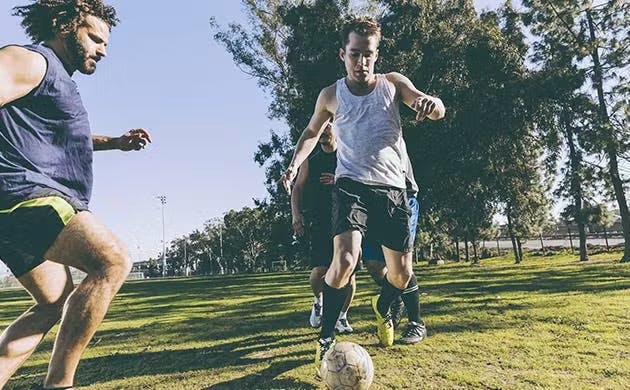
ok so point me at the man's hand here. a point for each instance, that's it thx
(424, 106)
(135, 139)
(287, 178)
(298, 224)
(327, 178)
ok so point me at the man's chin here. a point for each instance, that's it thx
(87, 69)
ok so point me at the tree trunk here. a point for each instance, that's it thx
(611, 148)
(475, 254)
(466, 248)
(517, 259)
(576, 189)
(542, 244)
(606, 239)
(570, 238)
(498, 248)
(457, 249)
(520, 250)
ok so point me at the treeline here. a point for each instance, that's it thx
(537, 99)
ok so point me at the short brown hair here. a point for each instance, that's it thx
(364, 26)
(37, 18)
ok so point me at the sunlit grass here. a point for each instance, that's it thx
(550, 322)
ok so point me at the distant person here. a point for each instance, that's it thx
(46, 182)
(374, 260)
(313, 192)
(369, 196)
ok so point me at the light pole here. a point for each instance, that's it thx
(162, 199)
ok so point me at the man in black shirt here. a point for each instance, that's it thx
(313, 193)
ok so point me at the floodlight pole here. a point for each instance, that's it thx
(162, 199)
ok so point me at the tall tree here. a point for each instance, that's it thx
(596, 36)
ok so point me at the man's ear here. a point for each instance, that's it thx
(342, 54)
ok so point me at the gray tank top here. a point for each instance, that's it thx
(369, 136)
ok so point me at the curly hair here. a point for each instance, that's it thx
(44, 18)
(364, 26)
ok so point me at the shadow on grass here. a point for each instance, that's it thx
(240, 354)
(262, 308)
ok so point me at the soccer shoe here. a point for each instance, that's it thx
(323, 346)
(316, 315)
(414, 333)
(398, 311)
(343, 326)
(384, 325)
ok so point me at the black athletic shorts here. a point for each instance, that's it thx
(381, 210)
(320, 234)
(29, 228)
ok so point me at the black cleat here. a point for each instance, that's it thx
(414, 333)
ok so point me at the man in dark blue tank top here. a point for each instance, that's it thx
(46, 182)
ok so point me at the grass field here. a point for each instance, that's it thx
(550, 322)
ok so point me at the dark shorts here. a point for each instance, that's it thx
(29, 228)
(378, 211)
(321, 248)
(371, 250)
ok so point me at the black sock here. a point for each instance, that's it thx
(411, 297)
(334, 299)
(389, 294)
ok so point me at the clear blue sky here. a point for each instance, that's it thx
(164, 72)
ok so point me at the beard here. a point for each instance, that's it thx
(81, 60)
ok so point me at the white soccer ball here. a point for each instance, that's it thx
(347, 366)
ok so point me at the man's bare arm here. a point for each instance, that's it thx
(103, 142)
(21, 71)
(296, 198)
(310, 135)
(425, 105)
(135, 139)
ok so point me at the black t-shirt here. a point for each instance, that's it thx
(317, 196)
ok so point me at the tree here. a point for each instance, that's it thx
(595, 39)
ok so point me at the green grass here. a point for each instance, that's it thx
(550, 322)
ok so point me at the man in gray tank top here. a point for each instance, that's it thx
(46, 182)
(370, 177)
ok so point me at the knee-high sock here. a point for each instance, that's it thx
(389, 294)
(411, 297)
(334, 299)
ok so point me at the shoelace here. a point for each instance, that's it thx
(388, 320)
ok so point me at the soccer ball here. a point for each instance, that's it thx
(347, 366)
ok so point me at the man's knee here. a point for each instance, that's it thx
(346, 263)
(401, 279)
(113, 263)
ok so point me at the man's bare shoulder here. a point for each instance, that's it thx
(327, 99)
(21, 71)
(27, 66)
(396, 78)
(329, 92)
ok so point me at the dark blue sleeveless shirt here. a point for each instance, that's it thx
(45, 139)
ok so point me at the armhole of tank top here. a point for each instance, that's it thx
(44, 81)
(387, 88)
(338, 94)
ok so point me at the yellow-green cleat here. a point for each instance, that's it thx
(323, 346)
(384, 325)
